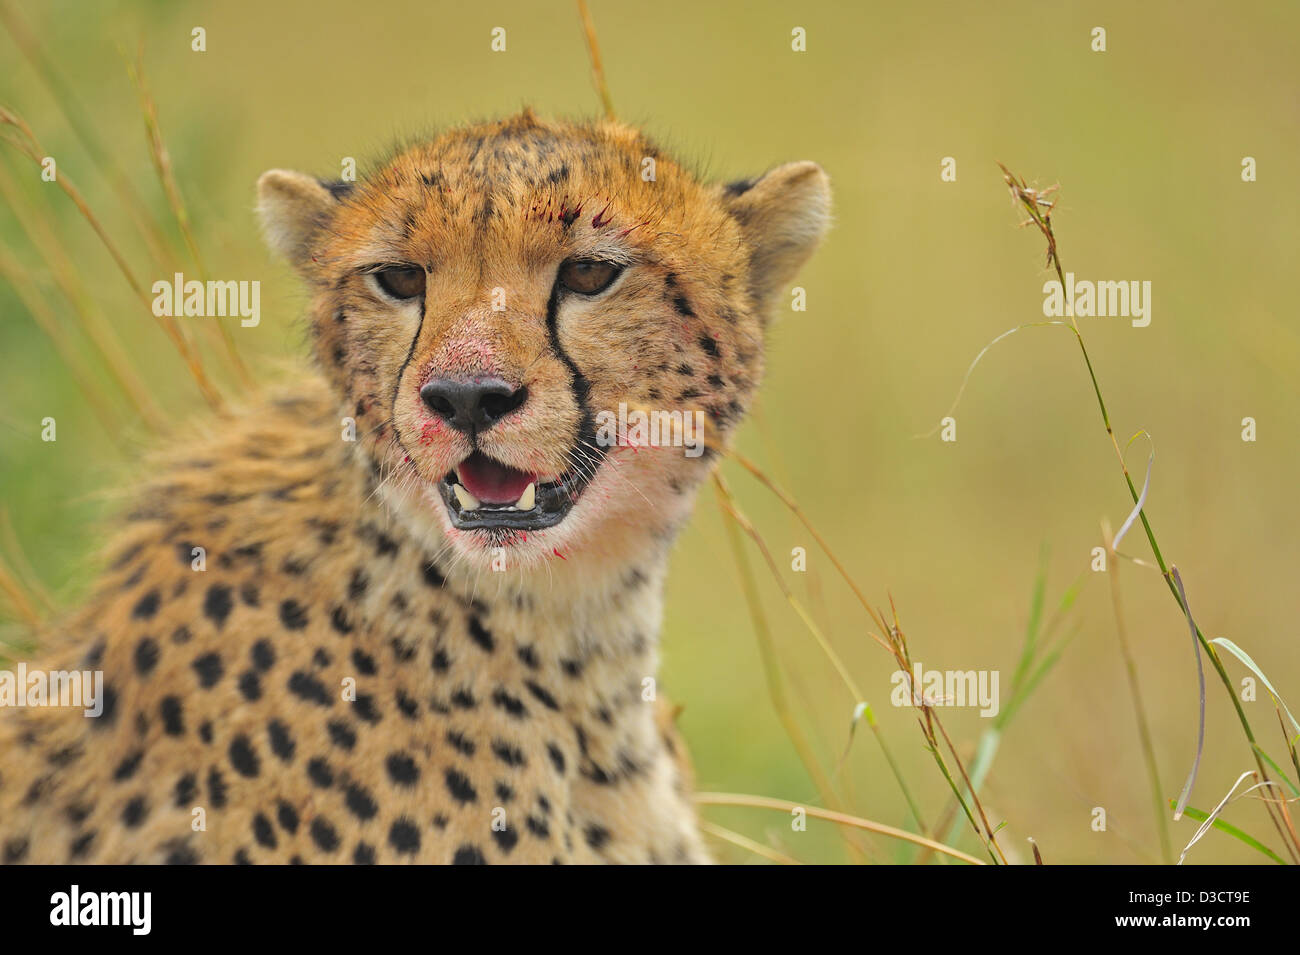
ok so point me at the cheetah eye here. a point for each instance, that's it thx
(401, 282)
(588, 276)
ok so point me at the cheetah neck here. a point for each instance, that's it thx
(609, 600)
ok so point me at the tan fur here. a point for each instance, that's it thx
(497, 716)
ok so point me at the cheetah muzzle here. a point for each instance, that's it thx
(483, 493)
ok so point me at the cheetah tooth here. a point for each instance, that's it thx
(528, 498)
(468, 502)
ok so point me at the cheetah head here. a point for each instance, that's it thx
(545, 332)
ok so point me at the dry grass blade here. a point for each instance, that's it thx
(19, 599)
(744, 842)
(1040, 210)
(104, 160)
(593, 49)
(163, 167)
(1038, 857)
(730, 506)
(1139, 709)
(39, 309)
(771, 666)
(795, 509)
(781, 805)
(1200, 677)
(30, 147)
(100, 333)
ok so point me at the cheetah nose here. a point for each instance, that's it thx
(473, 405)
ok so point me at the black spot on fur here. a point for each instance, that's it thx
(464, 699)
(402, 769)
(407, 706)
(342, 734)
(146, 606)
(543, 697)
(364, 662)
(597, 836)
(468, 855)
(173, 722)
(462, 745)
(250, 686)
(181, 854)
(187, 787)
(243, 757)
(127, 767)
(511, 704)
(217, 604)
(363, 854)
(306, 686)
(557, 757)
(81, 845)
(135, 811)
(360, 802)
(293, 615)
(480, 634)
(263, 654)
(358, 584)
(263, 833)
(364, 705)
(209, 669)
(508, 754)
(324, 834)
(146, 655)
(459, 787)
(340, 622)
(404, 836)
(282, 743)
(320, 773)
(109, 714)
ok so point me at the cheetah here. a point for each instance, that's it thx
(406, 607)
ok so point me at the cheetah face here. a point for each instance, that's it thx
(544, 332)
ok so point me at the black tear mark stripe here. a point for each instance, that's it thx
(587, 448)
(397, 386)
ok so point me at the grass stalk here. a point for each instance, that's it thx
(1139, 710)
(1034, 202)
(101, 335)
(163, 167)
(839, 818)
(593, 50)
(767, 655)
(30, 147)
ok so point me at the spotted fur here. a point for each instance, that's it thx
(348, 679)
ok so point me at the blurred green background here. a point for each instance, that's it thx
(1146, 141)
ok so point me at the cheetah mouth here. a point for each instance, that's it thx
(483, 493)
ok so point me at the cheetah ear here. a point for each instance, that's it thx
(294, 208)
(783, 215)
